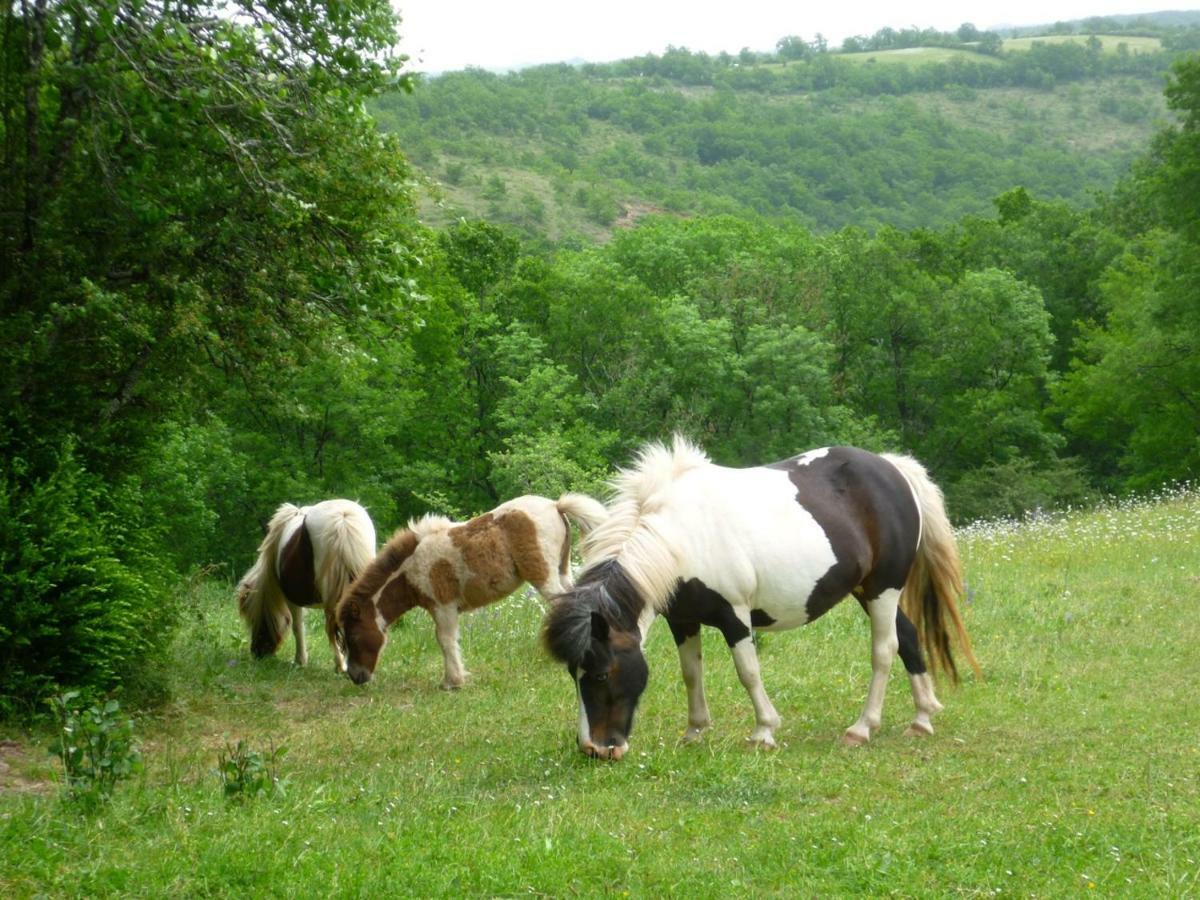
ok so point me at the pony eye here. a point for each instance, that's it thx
(601, 676)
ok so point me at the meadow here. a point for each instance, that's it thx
(1073, 766)
(1109, 43)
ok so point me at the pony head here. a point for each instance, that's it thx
(375, 599)
(597, 636)
(360, 635)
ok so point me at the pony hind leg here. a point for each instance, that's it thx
(445, 618)
(884, 646)
(924, 699)
(298, 633)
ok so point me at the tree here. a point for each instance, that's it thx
(190, 190)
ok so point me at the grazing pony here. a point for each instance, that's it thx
(308, 557)
(447, 568)
(768, 548)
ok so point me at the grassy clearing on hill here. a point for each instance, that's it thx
(1109, 42)
(1076, 763)
(917, 56)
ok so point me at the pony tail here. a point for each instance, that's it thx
(583, 510)
(260, 598)
(349, 547)
(934, 583)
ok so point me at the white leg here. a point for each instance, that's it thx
(445, 617)
(692, 665)
(745, 659)
(298, 634)
(884, 646)
(926, 703)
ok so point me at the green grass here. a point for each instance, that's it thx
(1109, 42)
(1075, 764)
(916, 56)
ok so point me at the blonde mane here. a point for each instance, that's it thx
(429, 524)
(635, 535)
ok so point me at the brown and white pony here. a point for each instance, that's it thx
(308, 557)
(447, 568)
(766, 548)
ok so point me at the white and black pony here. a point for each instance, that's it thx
(767, 548)
(308, 557)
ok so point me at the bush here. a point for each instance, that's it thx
(82, 601)
(247, 773)
(1011, 489)
(96, 747)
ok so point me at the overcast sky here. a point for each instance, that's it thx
(440, 35)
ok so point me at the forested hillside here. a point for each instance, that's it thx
(219, 294)
(909, 129)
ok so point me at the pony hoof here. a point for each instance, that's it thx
(766, 742)
(918, 729)
(692, 736)
(452, 685)
(854, 738)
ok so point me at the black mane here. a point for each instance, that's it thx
(603, 588)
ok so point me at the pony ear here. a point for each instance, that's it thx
(599, 628)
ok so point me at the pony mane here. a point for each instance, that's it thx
(429, 524)
(604, 588)
(371, 580)
(634, 535)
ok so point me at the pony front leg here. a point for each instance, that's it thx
(692, 665)
(298, 634)
(445, 617)
(745, 659)
(339, 661)
(884, 646)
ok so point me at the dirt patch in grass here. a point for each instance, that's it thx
(15, 765)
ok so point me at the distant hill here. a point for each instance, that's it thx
(877, 133)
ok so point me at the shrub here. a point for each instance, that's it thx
(247, 773)
(96, 747)
(82, 600)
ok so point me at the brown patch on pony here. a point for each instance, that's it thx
(399, 596)
(488, 558)
(444, 580)
(297, 575)
(521, 534)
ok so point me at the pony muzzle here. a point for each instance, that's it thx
(358, 674)
(607, 751)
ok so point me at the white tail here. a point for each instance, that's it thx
(260, 597)
(583, 510)
(347, 539)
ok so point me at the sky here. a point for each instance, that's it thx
(442, 35)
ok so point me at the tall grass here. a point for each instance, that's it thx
(1075, 765)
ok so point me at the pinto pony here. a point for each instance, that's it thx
(768, 548)
(447, 568)
(309, 555)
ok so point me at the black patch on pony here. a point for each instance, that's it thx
(693, 604)
(867, 511)
(604, 593)
(297, 574)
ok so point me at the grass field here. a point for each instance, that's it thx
(1073, 768)
(917, 56)
(1109, 42)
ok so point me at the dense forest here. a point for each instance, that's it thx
(219, 294)
(911, 128)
